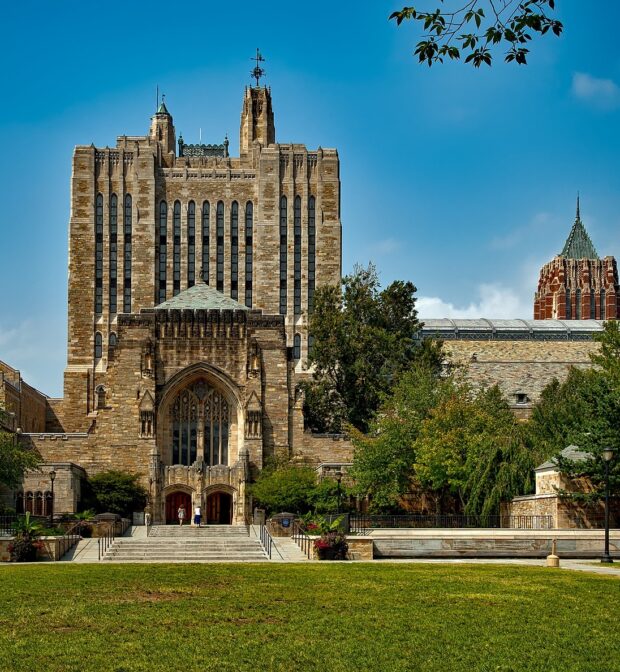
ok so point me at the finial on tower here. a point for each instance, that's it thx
(257, 72)
(578, 215)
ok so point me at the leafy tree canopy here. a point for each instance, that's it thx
(115, 492)
(364, 338)
(475, 27)
(15, 460)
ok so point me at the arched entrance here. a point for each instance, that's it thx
(219, 508)
(173, 502)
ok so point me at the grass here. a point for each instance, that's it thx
(324, 617)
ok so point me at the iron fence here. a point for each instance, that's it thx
(266, 540)
(8, 521)
(360, 522)
(300, 537)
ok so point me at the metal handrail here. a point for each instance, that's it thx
(69, 539)
(266, 540)
(106, 541)
(301, 538)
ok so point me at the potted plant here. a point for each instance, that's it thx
(26, 542)
(332, 543)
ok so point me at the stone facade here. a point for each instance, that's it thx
(22, 407)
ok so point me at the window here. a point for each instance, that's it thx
(127, 256)
(101, 397)
(220, 247)
(234, 250)
(191, 244)
(297, 256)
(311, 251)
(569, 312)
(249, 226)
(98, 346)
(592, 305)
(578, 304)
(522, 398)
(176, 249)
(205, 241)
(112, 340)
(283, 256)
(113, 252)
(297, 347)
(603, 306)
(163, 238)
(310, 344)
(99, 255)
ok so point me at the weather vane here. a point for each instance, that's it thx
(257, 72)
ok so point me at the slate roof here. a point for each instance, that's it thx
(201, 297)
(490, 329)
(570, 453)
(578, 244)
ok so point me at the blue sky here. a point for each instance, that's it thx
(462, 181)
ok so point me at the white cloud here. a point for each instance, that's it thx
(495, 301)
(602, 93)
(386, 246)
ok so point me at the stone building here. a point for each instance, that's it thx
(191, 277)
(578, 284)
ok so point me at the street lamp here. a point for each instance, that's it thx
(338, 481)
(52, 479)
(608, 456)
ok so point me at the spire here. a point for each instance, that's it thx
(162, 109)
(578, 244)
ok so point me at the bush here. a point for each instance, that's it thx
(115, 492)
(26, 544)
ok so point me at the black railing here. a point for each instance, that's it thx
(104, 542)
(300, 537)
(266, 540)
(68, 540)
(361, 522)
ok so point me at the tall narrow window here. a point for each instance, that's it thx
(205, 241)
(98, 345)
(592, 305)
(569, 311)
(220, 247)
(283, 242)
(297, 256)
(113, 252)
(191, 244)
(311, 251)
(163, 250)
(176, 249)
(310, 344)
(249, 234)
(603, 306)
(127, 256)
(578, 304)
(112, 340)
(234, 250)
(99, 255)
(297, 347)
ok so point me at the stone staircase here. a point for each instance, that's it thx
(175, 543)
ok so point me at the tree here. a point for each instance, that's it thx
(472, 30)
(15, 460)
(115, 492)
(364, 338)
(283, 486)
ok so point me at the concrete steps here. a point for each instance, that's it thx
(175, 543)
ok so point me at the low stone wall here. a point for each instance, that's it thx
(360, 548)
(50, 551)
(491, 543)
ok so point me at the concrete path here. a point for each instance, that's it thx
(286, 550)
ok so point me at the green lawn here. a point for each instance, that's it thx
(327, 617)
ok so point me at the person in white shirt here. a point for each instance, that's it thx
(197, 516)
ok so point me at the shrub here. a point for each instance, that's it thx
(116, 492)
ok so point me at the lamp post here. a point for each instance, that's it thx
(338, 491)
(608, 456)
(52, 479)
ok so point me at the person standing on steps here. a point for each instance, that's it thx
(197, 516)
(181, 514)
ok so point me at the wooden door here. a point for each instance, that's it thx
(175, 500)
(219, 509)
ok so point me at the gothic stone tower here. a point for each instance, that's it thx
(578, 284)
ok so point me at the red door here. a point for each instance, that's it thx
(219, 508)
(173, 502)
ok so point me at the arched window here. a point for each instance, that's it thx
(603, 305)
(249, 233)
(202, 406)
(220, 247)
(98, 346)
(578, 304)
(38, 503)
(113, 252)
(112, 340)
(205, 241)
(191, 244)
(127, 256)
(297, 347)
(234, 250)
(30, 502)
(100, 396)
(283, 256)
(163, 250)
(47, 503)
(19, 502)
(99, 255)
(297, 256)
(176, 249)
(311, 251)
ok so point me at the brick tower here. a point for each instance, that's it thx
(578, 284)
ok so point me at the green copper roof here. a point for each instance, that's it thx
(200, 297)
(578, 244)
(162, 109)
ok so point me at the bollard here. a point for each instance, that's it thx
(553, 560)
